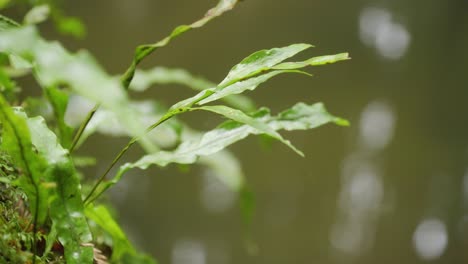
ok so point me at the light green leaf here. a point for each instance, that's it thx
(189, 102)
(145, 50)
(264, 63)
(59, 101)
(103, 218)
(7, 23)
(18, 63)
(37, 14)
(66, 210)
(260, 61)
(315, 61)
(66, 206)
(16, 141)
(302, 116)
(4, 3)
(56, 66)
(239, 87)
(70, 26)
(242, 118)
(161, 75)
(299, 117)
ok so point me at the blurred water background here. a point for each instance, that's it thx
(392, 188)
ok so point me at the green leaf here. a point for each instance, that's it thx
(102, 217)
(299, 117)
(59, 101)
(4, 3)
(240, 87)
(144, 50)
(56, 66)
(70, 26)
(242, 118)
(315, 61)
(8, 87)
(7, 23)
(302, 116)
(259, 61)
(161, 75)
(265, 64)
(66, 206)
(189, 102)
(37, 14)
(16, 141)
(18, 63)
(122, 250)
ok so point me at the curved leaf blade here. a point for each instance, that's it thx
(242, 118)
(16, 141)
(37, 14)
(299, 117)
(103, 218)
(6, 23)
(315, 61)
(241, 86)
(261, 60)
(66, 206)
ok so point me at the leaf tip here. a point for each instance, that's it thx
(341, 122)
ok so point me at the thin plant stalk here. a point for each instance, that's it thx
(117, 158)
(83, 126)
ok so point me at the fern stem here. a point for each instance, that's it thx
(89, 198)
(83, 126)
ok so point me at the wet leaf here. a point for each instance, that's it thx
(260, 61)
(256, 69)
(103, 218)
(66, 206)
(37, 14)
(315, 61)
(301, 116)
(16, 141)
(59, 101)
(240, 87)
(56, 66)
(242, 118)
(7, 23)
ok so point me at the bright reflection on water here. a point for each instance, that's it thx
(362, 192)
(430, 239)
(360, 198)
(188, 251)
(377, 125)
(378, 29)
(465, 187)
(216, 196)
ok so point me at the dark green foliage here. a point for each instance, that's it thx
(13, 216)
(45, 215)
